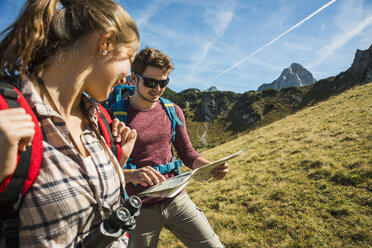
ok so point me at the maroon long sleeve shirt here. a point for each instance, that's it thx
(153, 144)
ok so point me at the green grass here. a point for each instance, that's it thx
(304, 181)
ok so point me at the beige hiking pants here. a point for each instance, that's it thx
(180, 216)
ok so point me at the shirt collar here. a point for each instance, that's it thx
(42, 109)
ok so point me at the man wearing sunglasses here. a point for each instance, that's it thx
(146, 112)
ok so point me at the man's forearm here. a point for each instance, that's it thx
(199, 162)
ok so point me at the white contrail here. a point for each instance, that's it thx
(271, 42)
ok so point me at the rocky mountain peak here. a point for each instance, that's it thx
(210, 89)
(363, 63)
(293, 76)
(297, 68)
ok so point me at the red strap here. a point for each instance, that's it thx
(37, 146)
(4, 183)
(106, 134)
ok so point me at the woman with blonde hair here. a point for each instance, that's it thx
(58, 50)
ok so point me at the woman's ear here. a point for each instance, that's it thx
(106, 42)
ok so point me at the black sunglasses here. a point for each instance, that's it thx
(151, 83)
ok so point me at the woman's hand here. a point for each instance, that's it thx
(126, 137)
(16, 133)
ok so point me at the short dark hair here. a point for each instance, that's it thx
(152, 57)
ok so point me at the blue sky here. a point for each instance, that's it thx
(226, 43)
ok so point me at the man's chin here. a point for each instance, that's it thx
(153, 99)
(148, 97)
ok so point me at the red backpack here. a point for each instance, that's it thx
(14, 187)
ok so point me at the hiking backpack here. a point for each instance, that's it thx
(116, 104)
(120, 92)
(14, 187)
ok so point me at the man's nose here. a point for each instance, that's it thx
(157, 87)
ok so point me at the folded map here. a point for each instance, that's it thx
(173, 185)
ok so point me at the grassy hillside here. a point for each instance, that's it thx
(305, 181)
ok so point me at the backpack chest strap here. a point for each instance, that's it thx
(162, 168)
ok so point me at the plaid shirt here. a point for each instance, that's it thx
(60, 208)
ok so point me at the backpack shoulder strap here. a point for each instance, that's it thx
(171, 111)
(119, 110)
(28, 161)
(15, 186)
(104, 123)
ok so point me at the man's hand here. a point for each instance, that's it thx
(217, 173)
(126, 137)
(144, 176)
(221, 171)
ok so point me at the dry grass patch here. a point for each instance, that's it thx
(304, 181)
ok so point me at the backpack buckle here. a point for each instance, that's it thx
(9, 93)
(176, 171)
(10, 228)
(18, 202)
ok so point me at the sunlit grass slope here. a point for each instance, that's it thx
(305, 181)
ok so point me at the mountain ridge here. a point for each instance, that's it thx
(304, 181)
(216, 117)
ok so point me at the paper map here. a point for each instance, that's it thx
(174, 185)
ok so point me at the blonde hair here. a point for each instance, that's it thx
(45, 27)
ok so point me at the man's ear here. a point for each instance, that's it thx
(106, 41)
(134, 78)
